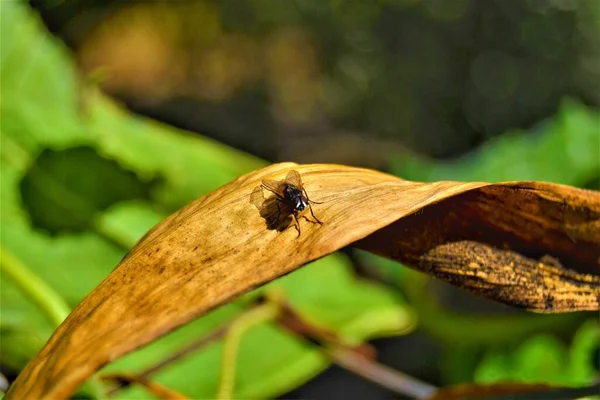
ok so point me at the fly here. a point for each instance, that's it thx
(291, 197)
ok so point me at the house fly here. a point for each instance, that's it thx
(291, 197)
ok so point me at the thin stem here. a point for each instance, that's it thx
(179, 354)
(379, 373)
(155, 388)
(359, 360)
(351, 359)
(53, 305)
(233, 338)
(185, 351)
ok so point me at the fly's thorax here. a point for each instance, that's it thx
(295, 197)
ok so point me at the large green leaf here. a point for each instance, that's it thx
(544, 358)
(82, 180)
(563, 149)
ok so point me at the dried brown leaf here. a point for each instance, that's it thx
(512, 390)
(530, 244)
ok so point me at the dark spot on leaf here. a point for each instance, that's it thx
(195, 248)
(161, 270)
(64, 191)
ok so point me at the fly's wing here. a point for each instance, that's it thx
(293, 178)
(272, 186)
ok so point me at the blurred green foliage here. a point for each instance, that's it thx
(82, 181)
(544, 358)
(301, 80)
(564, 149)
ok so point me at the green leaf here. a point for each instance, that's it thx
(260, 373)
(544, 359)
(563, 149)
(59, 198)
(583, 354)
(331, 296)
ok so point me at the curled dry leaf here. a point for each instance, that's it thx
(532, 245)
(512, 390)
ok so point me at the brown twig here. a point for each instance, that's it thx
(525, 391)
(357, 359)
(177, 355)
(381, 374)
(153, 387)
(293, 322)
(360, 360)
(186, 350)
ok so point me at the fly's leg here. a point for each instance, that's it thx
(313, 215)
(307, 220)
(310, 207)
(309, 200)
(297, 225)
(316, 221)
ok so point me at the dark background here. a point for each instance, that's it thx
(332, 81)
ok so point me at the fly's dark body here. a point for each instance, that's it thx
(291, 197)
(294, 197)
